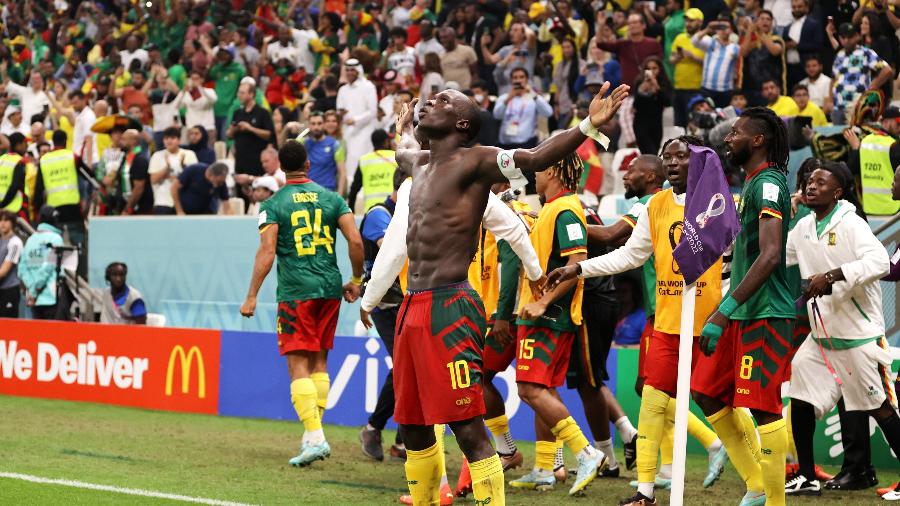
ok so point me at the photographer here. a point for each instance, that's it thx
(840, 262)
(122, 304)
(518, 112)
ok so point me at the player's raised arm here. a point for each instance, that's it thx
(409, 153)
(512, 164)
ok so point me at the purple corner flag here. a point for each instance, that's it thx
(710, 218)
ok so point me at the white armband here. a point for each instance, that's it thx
(588, 128)
(508, 168)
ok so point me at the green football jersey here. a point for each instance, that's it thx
(307, 218)
(765, 193)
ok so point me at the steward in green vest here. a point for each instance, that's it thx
(375, 173)
(57, 187)
(12, 175)
(878, 153)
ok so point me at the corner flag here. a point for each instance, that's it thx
(710, 218)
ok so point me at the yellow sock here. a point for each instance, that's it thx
(744, 420)
(423, 475)
(731, 433)
(544, 454)
(323, 383)
(667, 445)
(791, 447)
(651, 425)
(773, 443)
(498, 425)
(487, 481)
(439, 431)
(696, 428)
(303, 397)
(569, 432)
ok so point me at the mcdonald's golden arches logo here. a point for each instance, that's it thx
(187, 362)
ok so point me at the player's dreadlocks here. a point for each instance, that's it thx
(772, 127)
(568, 170)
(690, 140)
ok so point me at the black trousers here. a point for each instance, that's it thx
(856, 441)
(385, 323)
(9, 302)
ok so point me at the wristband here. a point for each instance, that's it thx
(356, 280)
(728, 306)
(588, 129)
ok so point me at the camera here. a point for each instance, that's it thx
(704, 120)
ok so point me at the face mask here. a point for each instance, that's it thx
(479, 98)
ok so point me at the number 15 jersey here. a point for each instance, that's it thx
(307, 218)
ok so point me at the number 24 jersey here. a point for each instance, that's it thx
(307, 218)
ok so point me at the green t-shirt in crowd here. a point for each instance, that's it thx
(227, 78)
(765, 193)
(307, 218)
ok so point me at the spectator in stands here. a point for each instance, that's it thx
(783, 106)
(84, 144)
(12, 175)
(226, 74)
(806, 107)
(565, 76)
(357, 102)
(200, 188)
(459, 62)
(13, 122)
(399, 57)
(10, 254)
(165, 166)
(33, 100)
(272, 166)
(651, 96)
(518, 112)
(163, 106)
(123, 304)
(687, 60)
(251, 128)
(134, 176)
(853, 69)
(519, 53)
(490, 127)
(247, 55)
(199, 102)
(432, 79)
(376, 172)
(326, 159)
(135, 94)
(37, 269)
(198, 142)
(802, 39)
(818, 84)
(763, 56)
(329, 101)
(263, 188)
(428, 43)
(633, 50)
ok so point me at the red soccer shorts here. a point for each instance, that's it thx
(437, 356)
(748, 366)
(643, 346)
(496, 356)
(543, 355)
(307, 325)
(661, 362)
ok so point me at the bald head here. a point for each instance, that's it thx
(131, 138)
(645, 175)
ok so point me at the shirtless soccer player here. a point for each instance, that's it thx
(298, 225)
(750, 335)
(437, 351)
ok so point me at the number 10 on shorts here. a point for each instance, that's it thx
(459, 374)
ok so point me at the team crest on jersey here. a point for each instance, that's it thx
(832, 238)
(328, 149)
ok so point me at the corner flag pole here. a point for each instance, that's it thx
(683, 392)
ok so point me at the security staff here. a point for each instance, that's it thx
(376, 172)
(12, 175)
(37, 270)
(57, 187)
(879, 153)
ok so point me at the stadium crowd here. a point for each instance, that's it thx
(172, 107)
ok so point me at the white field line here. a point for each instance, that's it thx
(118, 490)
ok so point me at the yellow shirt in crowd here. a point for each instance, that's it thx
(785, 107)
(815, 112)
(688, 73)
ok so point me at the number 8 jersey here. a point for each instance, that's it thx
(307, 218)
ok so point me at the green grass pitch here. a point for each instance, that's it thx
(241, 460)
